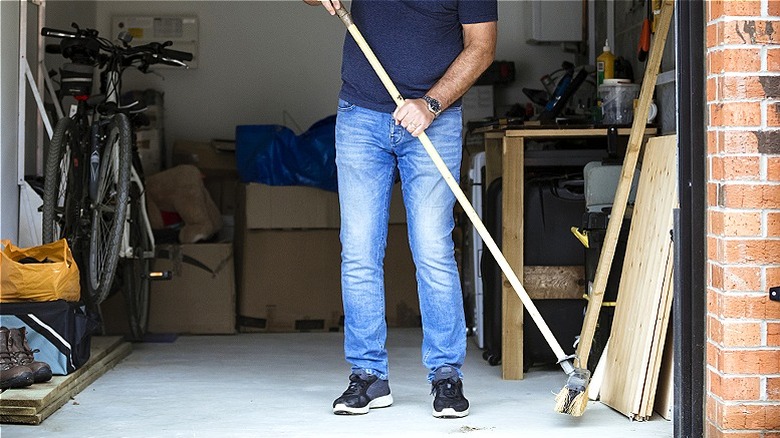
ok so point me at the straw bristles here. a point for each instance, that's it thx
(571, 402)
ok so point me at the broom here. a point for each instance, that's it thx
(578, 378)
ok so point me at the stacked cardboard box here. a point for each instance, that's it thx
(288, 260)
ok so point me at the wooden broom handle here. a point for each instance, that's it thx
(346, 18)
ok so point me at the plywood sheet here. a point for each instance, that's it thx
(641, 313)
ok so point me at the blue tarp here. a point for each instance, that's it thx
(274, 155)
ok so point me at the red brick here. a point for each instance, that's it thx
(712, 89)
(747, 306)
(750, 251)
(738, 114)
(716, 276)
(740, 87)
(739, 142)
(741, 60)
(743, 279)
(774, 8)
(752, 416)
(772, 276)
(714, 9)
(751, 8)
(773, 334)
(773, 388)
(773, 169)
(750, 361)
(715, 330)
(741, 168)
(773, 58)
(715, 62)
(741, 223)
(741, 334)
(712, 194)
(773, 114)
(735, 388)
(773, 225)
(714, 251)
(713, 354)
(747, 32)
(750, 196)
(716, 169)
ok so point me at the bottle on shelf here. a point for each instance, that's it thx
(605, 65)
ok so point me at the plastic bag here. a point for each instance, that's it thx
(39, 273)
(274, 155)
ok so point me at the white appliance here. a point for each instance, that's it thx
(472, 281)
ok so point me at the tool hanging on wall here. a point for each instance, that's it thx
(644, 37)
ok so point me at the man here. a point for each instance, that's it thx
(433, 50)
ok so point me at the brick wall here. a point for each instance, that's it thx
(743, 230)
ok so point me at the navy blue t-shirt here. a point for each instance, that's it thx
(415, 41)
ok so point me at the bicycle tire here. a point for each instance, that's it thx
(109, 210)
(135, 269)
(62, 185)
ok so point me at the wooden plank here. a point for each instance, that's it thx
(493, 157)
(659, 340)
(562, 133)
(512, 247)
(664, 397)
(644, 280)
(554, 282)
(638, 130)
(41, 394)
(101, 368)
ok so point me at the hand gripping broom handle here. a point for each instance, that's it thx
(568, 368)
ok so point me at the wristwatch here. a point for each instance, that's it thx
(434, 105)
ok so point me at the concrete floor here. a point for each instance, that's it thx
(282, 385)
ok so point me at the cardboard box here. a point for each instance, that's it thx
(284, 207)
(212, 162)
(291, 280)
(200, 299)
(280, 207)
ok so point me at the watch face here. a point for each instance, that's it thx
(433, 105)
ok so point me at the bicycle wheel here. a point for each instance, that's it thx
(109, 209)
(135, 269)
(62, 185)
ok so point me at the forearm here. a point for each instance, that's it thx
(477, 55)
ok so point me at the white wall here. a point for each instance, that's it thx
(259, 59)
(9, 74)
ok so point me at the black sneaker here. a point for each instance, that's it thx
(448, 401)
(365, 391)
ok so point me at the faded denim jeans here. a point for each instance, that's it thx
(369, 149)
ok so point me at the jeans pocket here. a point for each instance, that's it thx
(345, 106)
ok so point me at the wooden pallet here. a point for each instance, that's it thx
(35, 403)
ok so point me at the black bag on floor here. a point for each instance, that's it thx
(60, 331)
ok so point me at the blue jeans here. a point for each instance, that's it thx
(369, 149)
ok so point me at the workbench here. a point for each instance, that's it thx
(506, 156)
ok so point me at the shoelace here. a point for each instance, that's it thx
(356, 386)
(445, 387)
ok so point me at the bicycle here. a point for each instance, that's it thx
(93, 182)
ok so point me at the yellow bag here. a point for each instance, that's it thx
(58, 280)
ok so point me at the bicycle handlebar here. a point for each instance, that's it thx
(157, 51)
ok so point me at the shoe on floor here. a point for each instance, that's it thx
(365, 391)
(25, 356)
(447, 389)
(12, 375)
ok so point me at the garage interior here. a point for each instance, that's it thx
(246, 338)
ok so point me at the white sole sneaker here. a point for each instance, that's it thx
(379, 402)
(450, 413)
